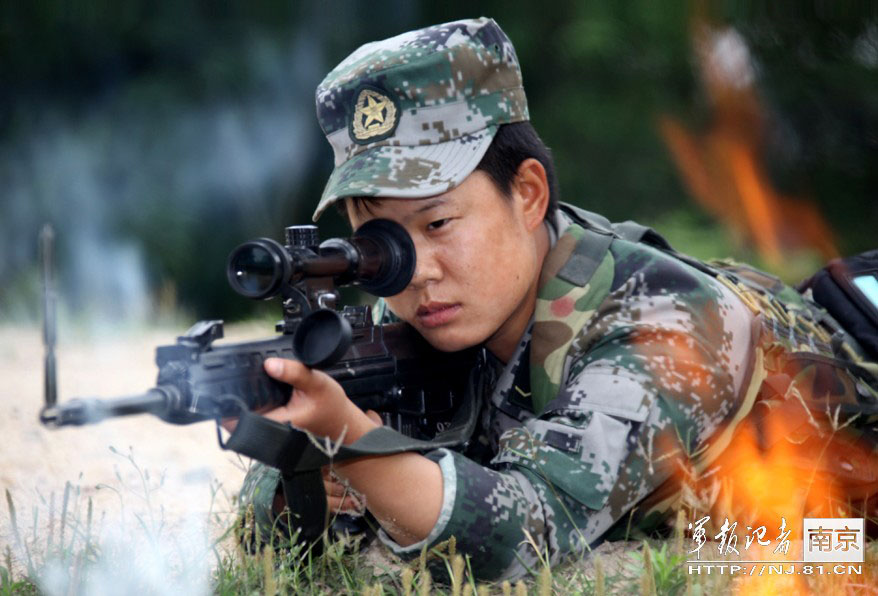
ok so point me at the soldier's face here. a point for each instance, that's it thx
(478, 261)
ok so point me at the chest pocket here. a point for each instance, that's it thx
(582, 441)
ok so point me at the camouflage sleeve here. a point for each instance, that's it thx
(256, 506)
(501, 516)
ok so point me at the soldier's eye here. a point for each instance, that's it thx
(435, 225)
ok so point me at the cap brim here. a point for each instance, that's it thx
(407, 172)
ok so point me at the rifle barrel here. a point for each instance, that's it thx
(89, 411)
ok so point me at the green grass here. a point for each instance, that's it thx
(657, 568)
(63, 548)
(67, 547)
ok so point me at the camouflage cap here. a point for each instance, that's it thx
(412, 116)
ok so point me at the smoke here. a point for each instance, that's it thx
(147, 566)
(729, 58)
(125, 180)
(142, 532)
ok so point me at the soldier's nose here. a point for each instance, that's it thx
(427, 269)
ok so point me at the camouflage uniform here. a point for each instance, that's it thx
(578, 425)
(634, 359)
(621, 377)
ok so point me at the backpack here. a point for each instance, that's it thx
(848, 289)
(816, 348)
(839, 302)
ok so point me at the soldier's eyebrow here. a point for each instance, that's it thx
(429, 205)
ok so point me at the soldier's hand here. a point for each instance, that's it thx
(318, 404)
(340, 496)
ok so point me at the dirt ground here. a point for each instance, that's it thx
(183, 463)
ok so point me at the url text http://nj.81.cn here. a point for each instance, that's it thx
(827, 546)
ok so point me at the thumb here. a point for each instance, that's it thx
(374, 417)
(293, 373)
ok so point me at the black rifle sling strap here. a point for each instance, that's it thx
(299, 458)
(273, 443)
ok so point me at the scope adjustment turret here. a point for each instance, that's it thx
(302, 236)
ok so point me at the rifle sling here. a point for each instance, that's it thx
(290, 450)
(299, 458)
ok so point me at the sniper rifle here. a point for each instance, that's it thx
(388, 368)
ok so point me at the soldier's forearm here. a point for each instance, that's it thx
(403, 492)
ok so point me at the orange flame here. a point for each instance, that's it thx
(768, 476)
(721, 167)
(780, 467)
(785, 461)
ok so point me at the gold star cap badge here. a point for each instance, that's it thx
(375, 116)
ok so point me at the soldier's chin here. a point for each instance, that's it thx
(448, 340)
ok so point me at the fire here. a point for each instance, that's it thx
(789, 457)
(769, 476)
(784, 463)
(722, 167)
(786, 460)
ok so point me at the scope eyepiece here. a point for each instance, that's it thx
(394, 256)
(258, 268)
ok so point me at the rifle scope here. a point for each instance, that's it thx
(380, 257)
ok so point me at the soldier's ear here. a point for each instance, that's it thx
(531, 186)
(342, 206)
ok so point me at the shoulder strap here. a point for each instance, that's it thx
(587, 219)
(626, 230)
(587, 256)
(632, 231)
(635, 232)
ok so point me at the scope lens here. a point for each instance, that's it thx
(256, 268)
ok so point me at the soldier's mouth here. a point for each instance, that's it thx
(435, 314)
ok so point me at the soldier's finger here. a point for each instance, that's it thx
(286, 370)
(334, 504)
(375, 417)
(333, 489)
(282, 415)
(343, 505)
(296, 374)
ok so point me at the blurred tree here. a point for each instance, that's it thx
(818, 72)
(161, 134)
